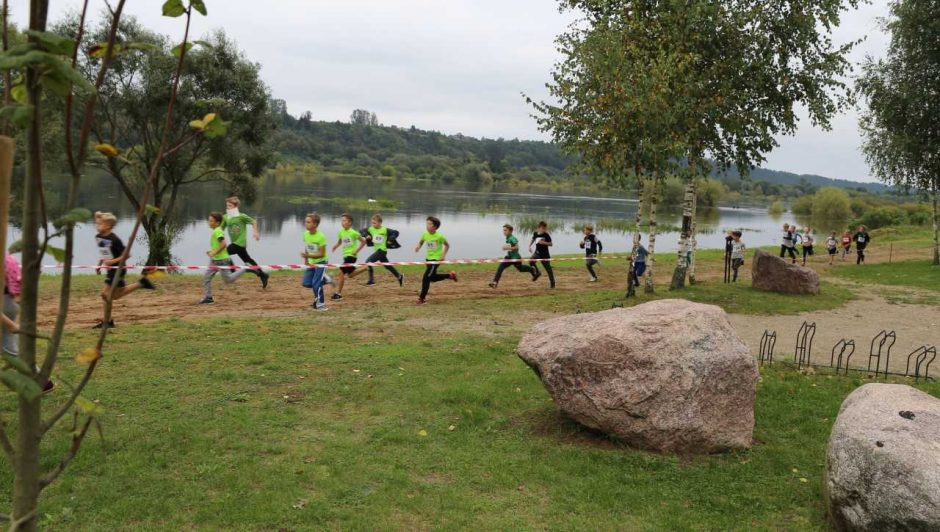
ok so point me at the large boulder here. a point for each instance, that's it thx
(668, 376)
(777, 275)
(883, 462)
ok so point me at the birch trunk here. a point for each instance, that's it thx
(685, 247)
(936, 236)
(651, 257)
(694, 230)
(631, 275)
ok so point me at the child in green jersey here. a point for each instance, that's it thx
(237, 224)
(219, 260)
(315, 256)
(512, 253)
(437, 247)
(378, 235)
(351, 242)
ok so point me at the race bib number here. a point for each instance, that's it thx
(432, 245)
(861, 240)
(313, 249)
(104, 252)
(347, 241)
(378, 239)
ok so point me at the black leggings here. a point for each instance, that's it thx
(242, 253)
(735, 265)
(807, 251)
(503, 266)
(786, 249)
(590, 265)
(861, 254)
(431, 276)
(548, 268)
(380, 256)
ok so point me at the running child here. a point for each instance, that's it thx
(738, 249)
(237, 223)
(788, 246)
(861, 239)
(315, 256)
(639, 264)
(592, 247)
(219, 259)
(512, 253)
(437, 248)
(832, 247)
(351, 242)
(9, 328)
(378, 235)
(807, 243)
(542, 241)
(110, 249)
(846, 243)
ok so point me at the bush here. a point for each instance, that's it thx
(776, 208)
(803, 205)
(920, 218)
(883, 217)
(830, 203)
(859, 206)
(709, 192)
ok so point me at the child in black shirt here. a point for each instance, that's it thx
(542, 241)
(862, 239)
(110, 249)
(592, 247)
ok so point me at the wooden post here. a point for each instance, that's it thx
(7, 148)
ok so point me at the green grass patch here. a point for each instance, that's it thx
(358, 422)
(916, 274)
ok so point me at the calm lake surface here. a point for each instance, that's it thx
(472, 219)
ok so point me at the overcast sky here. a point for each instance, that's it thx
(457, 66)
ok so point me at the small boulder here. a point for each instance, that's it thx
(774, 274)
(667, 376)
(883, 461)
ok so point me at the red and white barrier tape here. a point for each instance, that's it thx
(277, 267)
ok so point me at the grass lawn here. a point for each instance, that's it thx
(917, 274)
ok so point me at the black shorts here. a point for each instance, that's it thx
(832, 251)
(348, 269)
(112, 273)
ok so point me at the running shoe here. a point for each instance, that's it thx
(319, 308)
(453, 276)
(401, 280)
(493, 285)
(593, 280)
(264, 278)
(421, 302)
(49, 386)
(146, 283)
(207, 301)
(536, 275)
(101, 325)
(337, 297)
(370, 284)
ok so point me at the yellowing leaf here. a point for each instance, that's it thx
(451, 428)
(88, 407)
(107, 150)
(88, 355)
(423, 433)
(208, 118)
(197, 124)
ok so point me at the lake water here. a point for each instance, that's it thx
(472, 219)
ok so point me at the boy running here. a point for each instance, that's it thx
(437, 248)
(846, 243)
(807, 243)
(110, 249)
(592, 247)
(788, 246)
(512, 253)
(219, 259)
(542, 241)
(379, 237)
(639, 264)
(862, 239)
(237, 224)
(832, 247)
(351, 242)
(737, 254)
(315, 255)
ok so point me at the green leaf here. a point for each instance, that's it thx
(55, 68)
(101, 50)
(18, 364)
(72, 217)
(15, 247)
(173, 8)
(153, 210)
(57, 253)
(17, 114)
(88, 407)
(199, 6)
(178, 49)
(54, 43)
(24, 386)
(204, 44)
(216, 128)
(18, 91)
(56, 85)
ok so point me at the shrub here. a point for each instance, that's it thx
(830, 203)
(776, 208)
(802, 205)
(920, 218)
(883, 217)
(709, 192)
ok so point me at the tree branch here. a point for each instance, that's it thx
(77, 440)
(49, 423)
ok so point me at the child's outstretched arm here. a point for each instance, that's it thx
(418, 247)
(362, 244)
(337, 245)
(446, 249)
(255, 233)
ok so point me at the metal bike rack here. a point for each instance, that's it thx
(803, 353)
(921, 361)
(882, 339)
(846, 349)
(767, 342)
